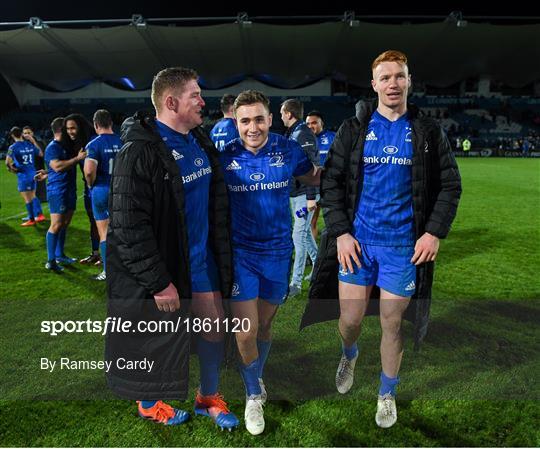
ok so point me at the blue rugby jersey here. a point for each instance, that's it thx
(324, 142)
(103, 150)
(258, 186)
(384, 215)
(196, 176)
(59, 182)
(23, 155)
(223, 132)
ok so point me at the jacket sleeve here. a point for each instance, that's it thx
(447, 199)
(132, 199)
(308, 142)
(333, 184)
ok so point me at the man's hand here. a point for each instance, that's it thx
(40, 175)
(81, 155)
(426, 249)
(348, 250)
(311, 205)
(167, 300)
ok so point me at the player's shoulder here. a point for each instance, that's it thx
(114, 139)
(233, 147)
(95, 142)
(285, 144)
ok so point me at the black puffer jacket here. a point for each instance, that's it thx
(147, 248)
(436, 188)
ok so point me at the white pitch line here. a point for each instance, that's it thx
(44, 207)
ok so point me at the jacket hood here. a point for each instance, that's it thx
(364, 109)
(141, 127)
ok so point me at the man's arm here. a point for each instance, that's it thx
(445, 207)
(59, 166)
(333, 201)
(10, 165)
(312, 177)
(308, 142)
(90, 169)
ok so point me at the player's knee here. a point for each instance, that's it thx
(351, 321)
(265, 330)
(391, 325)
(55, 227)
(247, 337)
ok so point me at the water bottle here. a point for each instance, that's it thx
(302, 213)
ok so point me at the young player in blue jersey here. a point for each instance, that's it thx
(168, 249)
(325, 137)
(61, 194)
(76, 133)
(225, 130)
(258, 168)
(98, 167)
(390, 191)
(20, 160)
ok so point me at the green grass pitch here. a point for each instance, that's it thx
(474, 382)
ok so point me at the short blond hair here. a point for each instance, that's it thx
(249, 97)
(389, 56)
(170, 78)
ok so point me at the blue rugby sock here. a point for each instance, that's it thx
(263, 348)
(30, 210)
(51, 240)
(36, 204)
(210, 358)
(148, 404)
(388, 384)
(350, 351)
(250, 375)
(59, 251)
(103, 252)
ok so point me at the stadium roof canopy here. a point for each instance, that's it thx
(286, 56)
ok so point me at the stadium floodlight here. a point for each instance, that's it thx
(138, 20)
(36, 23)
(350, 18)
(243, 20)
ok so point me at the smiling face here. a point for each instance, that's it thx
(72, 129)
(187, 104)
(253, 122)
(391, 81)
